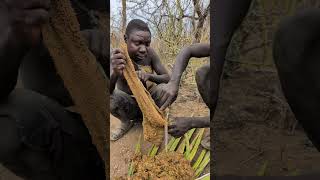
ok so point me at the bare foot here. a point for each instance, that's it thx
(120, 131)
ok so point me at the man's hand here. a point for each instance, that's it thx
(118, 62)
(179, 126)
(143, 76)
(169, 95)
(20, 22)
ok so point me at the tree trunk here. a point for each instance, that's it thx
(202, 17)
(124, 16)
(199, 30)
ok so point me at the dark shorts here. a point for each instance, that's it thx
(125, 107)
(39, 139)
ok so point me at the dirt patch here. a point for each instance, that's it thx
(253, 127)
(164, 166)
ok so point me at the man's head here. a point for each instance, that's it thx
(138, 39)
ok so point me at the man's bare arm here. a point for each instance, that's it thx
(113, 80)
(162, 75)
(18, 33)
(183, 124)
(182, 60)
(170, 90)
(117, 65)
(11, 55)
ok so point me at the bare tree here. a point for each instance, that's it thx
(202, 15)
(173, 23)
(171, 15)
(124, 15)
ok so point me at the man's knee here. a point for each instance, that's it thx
(117, 100)
(156, 93)
(123, 106)
(202, 75)
(25, 104)
(203, 80)
(34, 116)
(114, 99)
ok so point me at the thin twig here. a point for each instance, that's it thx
(252, 157)
(203, 176)
(166, 131)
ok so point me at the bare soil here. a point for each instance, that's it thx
(164, 166)
(254, 127)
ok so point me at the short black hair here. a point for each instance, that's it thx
(136, 24)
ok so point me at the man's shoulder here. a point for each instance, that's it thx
(152, 53)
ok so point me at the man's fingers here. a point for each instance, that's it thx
(162, 108)
(166, 103)
(118, 56)
(139, 74)
(116, 51)
(172, 126)
(121, 66)
(179, 134)
(173, 131)
(119, 61)
(163, 101)
(145, 77)
(176, 134)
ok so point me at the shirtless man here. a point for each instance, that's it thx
(39, 138)
(149, 69)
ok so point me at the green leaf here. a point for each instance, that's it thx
(262, 171)
(174, 144)
(182, 146)
(203, 164)
(199, 160)
(195, 147)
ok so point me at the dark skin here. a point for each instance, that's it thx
(296, 55)
(138, 43)
(181, 125)
(170, 91)
(181, 63)
(20, 31)
(21, 34)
